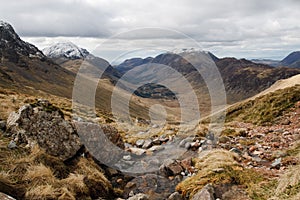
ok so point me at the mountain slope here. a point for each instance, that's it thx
(129, 64)
(266, 108)
(242, 78)
(23, 65)
(25, 69)
(292, 60)
(72, 57)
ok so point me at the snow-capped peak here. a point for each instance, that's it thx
(4, 24)
(65, 49)
(187, 50)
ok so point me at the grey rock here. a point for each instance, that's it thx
(207, 193)
(43, 124)
(6, 197)
(139, 196)
(182, 143)
(171, 168)
(155, 126)
(139, 143)
(276, 164)
(137, 151)
(164, 139)
(127, 145)
(127, 157)
(187, 145)
(235, 150)
(147, 144)
(175, 196)
(156, 148)
(156, 141)
(12, 144)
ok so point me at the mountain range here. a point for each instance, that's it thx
(23, 65)
(253, 155)
(242, 78)
(292, 60)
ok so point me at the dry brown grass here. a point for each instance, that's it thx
(36, 175)
(42, 192)
(75, 184)
(39, 175)
(218, 167)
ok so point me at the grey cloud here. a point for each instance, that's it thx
(232, 26)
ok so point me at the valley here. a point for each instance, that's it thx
(72, 126)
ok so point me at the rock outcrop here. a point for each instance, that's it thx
(43, 124)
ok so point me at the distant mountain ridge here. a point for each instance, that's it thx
(65, 49)
(292, 60)
(72, 57)
(242, 78)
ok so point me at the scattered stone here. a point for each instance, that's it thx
(119, 181)
(127, 145)
(207, 193)
(235, 150)
(164, 139)
(252, 148)
(12, 144)
(276, 164)
(285, 122)
(139, 196)
(175, 196)
(186, 163)
(171, 168)
(147, 144)
(182, 143)
(156, 148)
(139, 143)
(158, 186)
(195, 145)
(187, 145)
(155, 126)
(257, 152)
(156, 141)
(127, 157)
(130, 185)
(6, 197)
(137, 151)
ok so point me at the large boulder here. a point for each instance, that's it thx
(43, 124)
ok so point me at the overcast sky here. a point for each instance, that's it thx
(240, 28)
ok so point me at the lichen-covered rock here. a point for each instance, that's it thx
(207, 193)
(43, 124)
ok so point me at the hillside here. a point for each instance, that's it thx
(73, 58)
(291, 60)
(242, 78)
(24, 68)
(23, 65)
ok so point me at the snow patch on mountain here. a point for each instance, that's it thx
(65, 49)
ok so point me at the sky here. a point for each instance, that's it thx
(115, 29)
